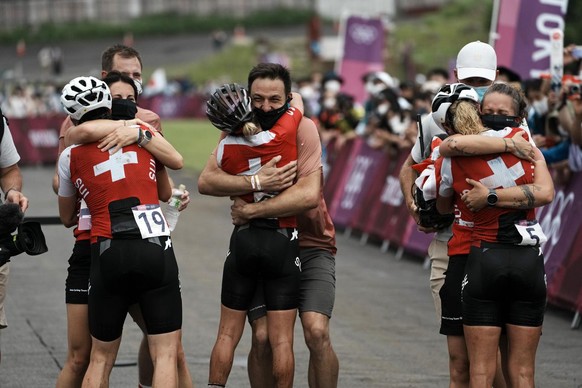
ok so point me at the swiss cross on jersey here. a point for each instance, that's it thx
(103, 178)
(116, 164)
(493, 224)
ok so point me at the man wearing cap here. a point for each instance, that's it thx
(476, 67)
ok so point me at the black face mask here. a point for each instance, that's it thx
(268, 119)
(499, 122)
(123, 109)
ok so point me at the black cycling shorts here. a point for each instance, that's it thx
(77, 282)
(450, 294)
(124, 272)
(262, 254)
(505, 284)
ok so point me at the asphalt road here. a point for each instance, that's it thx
(383, 328)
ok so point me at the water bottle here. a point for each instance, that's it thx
(172, 213)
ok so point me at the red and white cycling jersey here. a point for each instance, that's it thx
(491, 224)
(103, 180)
(238, 155)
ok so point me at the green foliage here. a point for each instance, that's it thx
(436, 38)
(573, 29)
(155, 25)
(194, 139)
(232, 64)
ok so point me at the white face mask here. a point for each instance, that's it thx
(138, 86)
(382, 109)
(329, 103)
(541, 106)
(399, 126)
(307, 92)
(332, 86)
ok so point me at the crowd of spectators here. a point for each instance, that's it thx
(387, 119)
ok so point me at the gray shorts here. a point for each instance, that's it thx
(317, 285)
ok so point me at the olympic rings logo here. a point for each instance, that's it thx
(363, 33)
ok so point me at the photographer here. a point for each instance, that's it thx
(11, 184)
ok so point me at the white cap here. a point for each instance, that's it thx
(385, 78)
(477, 59)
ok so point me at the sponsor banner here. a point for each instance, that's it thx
(174, 107)
(523, 34)
(374, 191)
(363, 52)
(360, 172)
(336, 175)
(36, 138)
(565, 289)
(414, 241)
(560, 221)
(389, 214)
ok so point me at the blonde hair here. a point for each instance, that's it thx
(465, 118)
(249, 129)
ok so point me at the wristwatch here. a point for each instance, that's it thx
(144, 137)
(492, 197)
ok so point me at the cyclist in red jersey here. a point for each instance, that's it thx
(504, 235)
(124, 60)
(263, 253)
(131, 246)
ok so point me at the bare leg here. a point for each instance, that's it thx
(458, 361)
(280, 325)
(79, 347)
(323, 362)
(260, 360)
(501, 379)
(144, 359)
(164, 351)
(230, 329)
(482, 344)
(103, 356)
(523, 343)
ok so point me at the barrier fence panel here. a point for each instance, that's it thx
(36, 138)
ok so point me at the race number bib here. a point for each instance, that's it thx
(531, 233)
(150, 220)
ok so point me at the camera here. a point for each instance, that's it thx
(429, 216)
(28, 237)
(573, 87)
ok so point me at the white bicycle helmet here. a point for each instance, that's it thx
(85, 94)
(229, 108)
(446, 96)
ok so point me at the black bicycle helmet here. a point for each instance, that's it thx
(229, 108)
(446, 96)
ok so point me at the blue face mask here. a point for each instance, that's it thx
(481, 91)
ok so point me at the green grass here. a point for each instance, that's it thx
(194, 139)
(230, 65)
